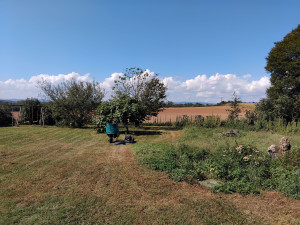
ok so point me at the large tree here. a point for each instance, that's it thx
(145, 88)
(123, 109)
(283, 63)
(73, 101)
(137, 96)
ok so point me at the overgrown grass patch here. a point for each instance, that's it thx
(241, 163)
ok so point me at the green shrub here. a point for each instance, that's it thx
(212, 122)
(5, 114)
(291, 159)
(242, 186)
(286, 181)
(182, 162)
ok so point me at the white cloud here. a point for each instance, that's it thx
(247, 76)
(209, 89)
(171, 83)
(22, 89)
(109, 82)
(55, 79)
(201, 88)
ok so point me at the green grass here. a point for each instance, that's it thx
(74, 176)
(210, 138)
(204, 153)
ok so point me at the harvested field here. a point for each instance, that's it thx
(170, 114)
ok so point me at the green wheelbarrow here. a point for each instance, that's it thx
(112, 131)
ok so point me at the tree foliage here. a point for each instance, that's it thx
(31, 110)
(137, 95)
(47, 116)
(144, 91)
(283, 63)
(73, 101)
(145, 88)
(118, 110)
(5, 114)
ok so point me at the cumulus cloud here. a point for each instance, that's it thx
(210, 89)
(22, 89)
(56, 79)
(201, 88)
(171, 83)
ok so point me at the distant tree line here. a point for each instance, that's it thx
(170, 104)
(229, 102)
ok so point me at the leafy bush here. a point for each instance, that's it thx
(182, 162)
(237, 167)
(5, 114)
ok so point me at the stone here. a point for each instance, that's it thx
(284, 146)
(231, 133)
(273, 151)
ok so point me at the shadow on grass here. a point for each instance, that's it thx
(147, 130)
(160, 128)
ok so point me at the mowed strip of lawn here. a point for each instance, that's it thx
(60, 175)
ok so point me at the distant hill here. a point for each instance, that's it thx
(17, 100)
(10, 100)
(203, 103)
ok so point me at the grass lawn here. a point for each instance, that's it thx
(60, 175)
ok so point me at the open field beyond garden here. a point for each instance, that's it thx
(60, 175)
(170, 114)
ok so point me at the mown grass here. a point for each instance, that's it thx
(74, 176)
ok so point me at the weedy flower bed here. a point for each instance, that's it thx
(241, 168)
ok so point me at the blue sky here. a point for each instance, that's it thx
(176, 39)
